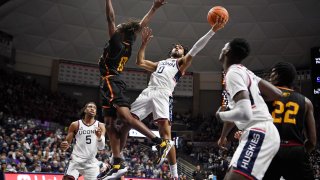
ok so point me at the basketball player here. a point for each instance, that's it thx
(157, 97)
(293, 117)
(115, 104)
(260, 139)
(90, 137)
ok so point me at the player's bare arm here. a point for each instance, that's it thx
(268, 91)
(146, 35)
(156, 5)
(311, 134)
(101, 130)
(185, 61)
(227, 127)
(100, 133)
(71, 133)
(110, 18)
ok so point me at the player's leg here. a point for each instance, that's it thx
(298, 164)
(140, 108)
(275, 169)
(91, 169)
(71, 172)
(110, 116)
(109, 91)
(162, 112)
(165, 132)
(121, 102)
(125, 114)
(124, 132)
(163, 145)
(113, 134)
(118, 167)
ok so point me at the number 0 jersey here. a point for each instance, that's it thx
(166, 75)
(86, 141)
(239, 78)
(289, 115)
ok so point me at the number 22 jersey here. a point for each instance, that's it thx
(289, 115)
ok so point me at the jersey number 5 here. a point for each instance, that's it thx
(88, 139)
(290, 110)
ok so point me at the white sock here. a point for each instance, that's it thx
(174, 170)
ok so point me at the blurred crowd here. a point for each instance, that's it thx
(24, 97)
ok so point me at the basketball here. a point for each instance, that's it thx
(215, 12)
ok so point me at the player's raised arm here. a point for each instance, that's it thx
(71, 133)
(200, 44)
(156, 4)
(141, 61)
(110, 18)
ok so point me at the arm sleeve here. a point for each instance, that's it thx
(101, 143)
(199, 45)
(242, 111)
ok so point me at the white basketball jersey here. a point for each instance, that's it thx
(239, 78)
(167, 74)
(86, 141)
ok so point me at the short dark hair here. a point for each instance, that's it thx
(82, 113)
(185, 49)
(286, 74)
(239, 50)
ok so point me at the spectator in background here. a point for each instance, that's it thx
(3, 165)
(198, 174)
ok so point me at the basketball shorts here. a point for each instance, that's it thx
(291, 162)
(113, 94)
(89, 169)
(258, 144)
(157, 101)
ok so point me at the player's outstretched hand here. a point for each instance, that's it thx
(146, 35)
(64, 145)
(158, 3)
(220, 23)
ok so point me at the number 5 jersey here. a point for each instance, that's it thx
(86, 141)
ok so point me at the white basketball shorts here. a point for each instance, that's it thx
(157, 101)
(258, 145)
(89, 169)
